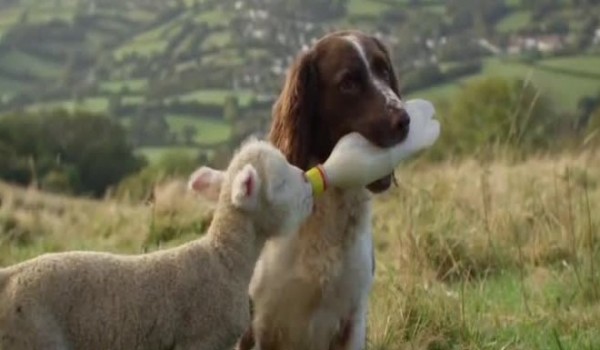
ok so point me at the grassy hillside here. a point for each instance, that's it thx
(185, 58)
(469, 256)
(565, 79)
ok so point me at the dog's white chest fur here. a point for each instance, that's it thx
(308, 285)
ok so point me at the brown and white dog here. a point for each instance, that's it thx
(311, 291)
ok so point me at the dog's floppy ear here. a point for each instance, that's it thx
(394, 78)
(294, 112)
(207, 182)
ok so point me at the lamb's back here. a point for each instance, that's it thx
(95, 298)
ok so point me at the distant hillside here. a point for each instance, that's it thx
(206, 71)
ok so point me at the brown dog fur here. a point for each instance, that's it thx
(311, 291)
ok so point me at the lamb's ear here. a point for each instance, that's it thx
(206, 182)
(245, 188)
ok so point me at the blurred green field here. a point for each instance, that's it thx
(438, 92)
(22, 62)
(366, 7)
(208, 130)
(581, 64)
(133, 86)
(10, 87)
(133, 100)
(217, 40)
(564, 89)
(91, 104)
(377, 8)
(514, 21)
(212, 18)
(147, 48)
(216, 96)
(154, 154)
(36, 12)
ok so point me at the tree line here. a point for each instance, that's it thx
(77, 153)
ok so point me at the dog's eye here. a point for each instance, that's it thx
(382, 68)
(385, 73)
(349, 86)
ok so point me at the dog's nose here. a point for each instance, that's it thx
(400, 120)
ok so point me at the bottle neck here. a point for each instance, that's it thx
(318, 179)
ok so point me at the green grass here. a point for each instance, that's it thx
(44, 15)
(580, 64)
(217, 40)
(464, 266)
(10, 87)
(154, 154)
(142, 48)
(37, 12)
(564, 89)
(439, 9)
(134, 86)
(526, 301)
(224, 58)
(212, 18)
(98, 40)
(191, 64)
(140, 15)
(112, 26)
(216, 96)
(209, 130)
(514, 21)
(150, 42)
(164, 31)
(436, 92)
(9, 16)
(90, 104)
(21, 62)
(366, 8)
(513, 3)
(133, 100)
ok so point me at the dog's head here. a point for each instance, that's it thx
(344, 83)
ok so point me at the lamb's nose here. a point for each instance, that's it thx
(400, 120)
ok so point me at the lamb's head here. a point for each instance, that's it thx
(260, 183)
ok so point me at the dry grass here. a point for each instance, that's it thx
(495, 256)
(469, 256)
(33, 223)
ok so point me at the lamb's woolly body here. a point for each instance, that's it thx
(190, 297)
(133, 302)
(326, 270)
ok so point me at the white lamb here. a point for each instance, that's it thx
(190, 297)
